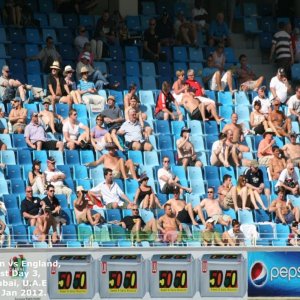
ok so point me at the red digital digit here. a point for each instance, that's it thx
(165, 279)
(115, 279)
(216, 278)
(64, 280)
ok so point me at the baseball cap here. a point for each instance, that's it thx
(281, 72)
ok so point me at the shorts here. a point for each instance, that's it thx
(196, 115)
(191, 162)
(116, 174)
(129, 144)
(296, 161)
(160, 115)
(213, 83)
(289, 218)
(216, 218)
(167, 189)
(265, 160)
(183, 216)
(110, 205)
(249, 84)
(49, 145)
(17, 126)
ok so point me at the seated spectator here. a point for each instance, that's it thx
(12, 13)
(234, 236)
(141, 116)
(278, 121)
(132, 89)
(288, 179)
(138, 229)
(123, 34)
(246, 77)
(111, 160)
(167, 180)
(258, 120)
(228, 193)
(17, 116)
(216, 79)
(277, 163)
(264, 151)
(53, 203)
(88, 92)
(185, 31)
(87, 51)
(169, 226)
(209, 236)
(84, 214)
(213, 209)
(165, 30)
(244, 194)
(95, 76)
(294, 106)
(56, 178)
(110, 192)
(265, 102)
(47, 55)
(2, 233)
(37, 178)
(219, 57)
(43, 225)
(280, 87)
(166, 105)
(185, 150)
(30, 207)
(294, 236)
(100, 136)
(255, 182)
(11, 88)
(51, 121)
(217, 157)
(82, 38)
(145, 197)
(133, 133)
(238, 132)
(218, 31)
(70, 86)
(200, 16)
(292, 150)
(57, 87)
(36, 136)
(72, 137)
(113, 118)
(285, 212)
(185, 213)
(179, 86)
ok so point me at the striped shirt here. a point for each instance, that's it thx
(282, 42)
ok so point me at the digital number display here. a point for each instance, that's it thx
(223, 281)
(176, 256)
(223, 256)
(124, 257)
(173, 281)
(69, 284)
(122, 283)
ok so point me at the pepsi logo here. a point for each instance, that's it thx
(258, 274)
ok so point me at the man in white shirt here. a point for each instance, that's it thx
(111, 193)
(288, 178)
(167, 180)
(280, 87)
(294, 106)
(56, 177)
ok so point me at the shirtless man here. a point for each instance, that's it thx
(227, 193)
(48, 117)
(199, 108)
(277, 163)
(246, 77)
(285, 211)
(43, 225)
(131, 92)
(170, 226)
(110, 160)
(134, 103)
(292, 150)
(184, 212)
(213, 209)
(82, 211)
(278, 121)
(17, 116)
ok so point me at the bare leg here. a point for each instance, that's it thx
(296, 213)
(146, 202)
(212, 109)
(130, 165)
(199, 211)
(244, 196)
(121, 168)
(235, 156)
(258, 83)
(252, 198)
(116, 140)
(259, 200)
(185, 162)
(190, 210)
(218, 80)
(39, 145)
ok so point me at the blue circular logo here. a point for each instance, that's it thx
(258, 274)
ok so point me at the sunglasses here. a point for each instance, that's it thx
(84, 73)
(51, 191)
(210, 192)
(28, 191)
(134, 209)
(74, 114)
(166, 161)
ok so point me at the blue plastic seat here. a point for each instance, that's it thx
(133, 79)
(132, 68)
(65, 169)
(176, 127)
(42, 18)
(3, 53)
(133, 24)
(136, 156)
(148, 69)
(3, 187)
(80, 172)
(87, 21)
(169, 154)
(116, 53)
(3, 36)
(261, 216)
(45, 6)
(71, 20)
(34, 80)
(14, 216)
(194, 173)
(179, 172)
(113, 215)
(31, 50)
(146, 97)
(179, 65)
(245, 216)
(131, 186)
(151, 158)
(148, 8)
(8, 157)
(49, 32)
(162, 127)
(115, 67)
(55, 20)
(198, 142)
(13, 172)
(211, 172)
(197, 186)
(62, 109)
(296, 71)
(72, 157)
(69, 233)
(266, 234)
(148, 83)
(132, 53)
(196, 55)
(97, 173)
(225, 98)
(242, 112)
(180, 53)
(164, 69)
(11, 201)
(228, 171)
(84, 232)
(86, 156)
(282, 231)
(5, 138)
(165, 142)
(211, 128)
(33, 67)
(16, 35)
(58, 156)
(251, 26)
(65, 35)
(17, 186)
(19, 233)
(67, 52)
(117, 232)
(85, 183)
(16, 51)
(226, 111)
